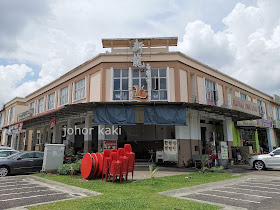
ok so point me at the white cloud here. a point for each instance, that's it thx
(247, 49)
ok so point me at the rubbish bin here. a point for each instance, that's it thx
(223, 162)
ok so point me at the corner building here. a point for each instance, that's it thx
(141, 93)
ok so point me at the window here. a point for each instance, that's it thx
(243, 96)
(80, 89)
(261, 109)
(11, 116)
(159, 84)
(277, 113)
(40, 105)
(139, 78)
(1, 120)
(277, 152)
(211, 93)
(269, 112)
(63, 96)
(32, 105)
(120, 91)
(51, 101)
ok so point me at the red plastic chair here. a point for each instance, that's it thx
(115, 167)
(106, 163)
(124, 161)
(131, 163)
(120, 153)
(114, 150)
(127, 149)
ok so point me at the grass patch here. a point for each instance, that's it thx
(140, 194)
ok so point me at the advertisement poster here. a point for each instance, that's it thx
(110, 145)
(170, 145)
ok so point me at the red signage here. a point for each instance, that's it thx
(52, 122)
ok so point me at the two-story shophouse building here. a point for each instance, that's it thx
(140, 92)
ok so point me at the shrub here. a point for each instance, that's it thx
(217, 169)
(70, 169)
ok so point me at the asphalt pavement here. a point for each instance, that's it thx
(21, 191)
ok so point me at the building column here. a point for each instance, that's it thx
(101, 137)
(189, 138)
(270, 138)
(34, 138)
(88, 133)
(228, 135)
(257, 146)
(70, 137)
(57, 134)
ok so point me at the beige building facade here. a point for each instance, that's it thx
(143, 74)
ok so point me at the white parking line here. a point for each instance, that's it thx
(238, 188)
(34, 196)
(3, 183)
(24, 192)
(236, 199)
(241, 194)
(20, 188)
(244, 185)
(266, 183)
(13, 185)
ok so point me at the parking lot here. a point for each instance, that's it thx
(257, 192)
(26, 190)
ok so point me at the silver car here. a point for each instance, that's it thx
(271, 160)
(6, 153)
(5, 148)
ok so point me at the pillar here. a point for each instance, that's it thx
(257, 145)
(271, 143)
(228, 135)
(101, 137)
(34, 138)
(57, 134)
(88, 133)
(189, 138)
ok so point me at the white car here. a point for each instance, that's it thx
(271, 160)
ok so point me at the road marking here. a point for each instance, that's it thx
(20, 188)
(236, 199)
(241, 194)
(265, 183)
(244, 185)
(23, 192)
(15, 185)
(34, 196)
(238, 188)
(12, 182)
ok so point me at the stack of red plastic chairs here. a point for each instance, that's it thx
(115, 163)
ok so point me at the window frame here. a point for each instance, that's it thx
(243, 96)
(33, 105)
(277, 113)
(74, 90)
(207, 85)
(43, 98)
(48, 97)
(121, 78)
(11, 116)
(59, 96)
(158, 77)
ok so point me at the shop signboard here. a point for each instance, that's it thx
(52, 122)
(242, 105)
(251, 123)
(25, 115)
(16, 128)
(224, 150)
(170, 145)
(276, 99)
(264, 123)
(110, 144)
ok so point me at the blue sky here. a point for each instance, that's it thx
(44, 39)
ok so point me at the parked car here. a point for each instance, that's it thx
(5, 148)
(6, 153)
(271, 160)
(22, 162)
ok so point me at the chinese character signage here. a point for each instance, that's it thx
(137, 57)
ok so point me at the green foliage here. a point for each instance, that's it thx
(152, 172)
(204, 161)
(217, 169)
(70, 169)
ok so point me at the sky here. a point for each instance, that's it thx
(42, 40)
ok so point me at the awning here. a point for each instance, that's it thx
(165, 115)
(114, 115)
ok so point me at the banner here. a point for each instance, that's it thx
(24, 115)
(52, 122)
